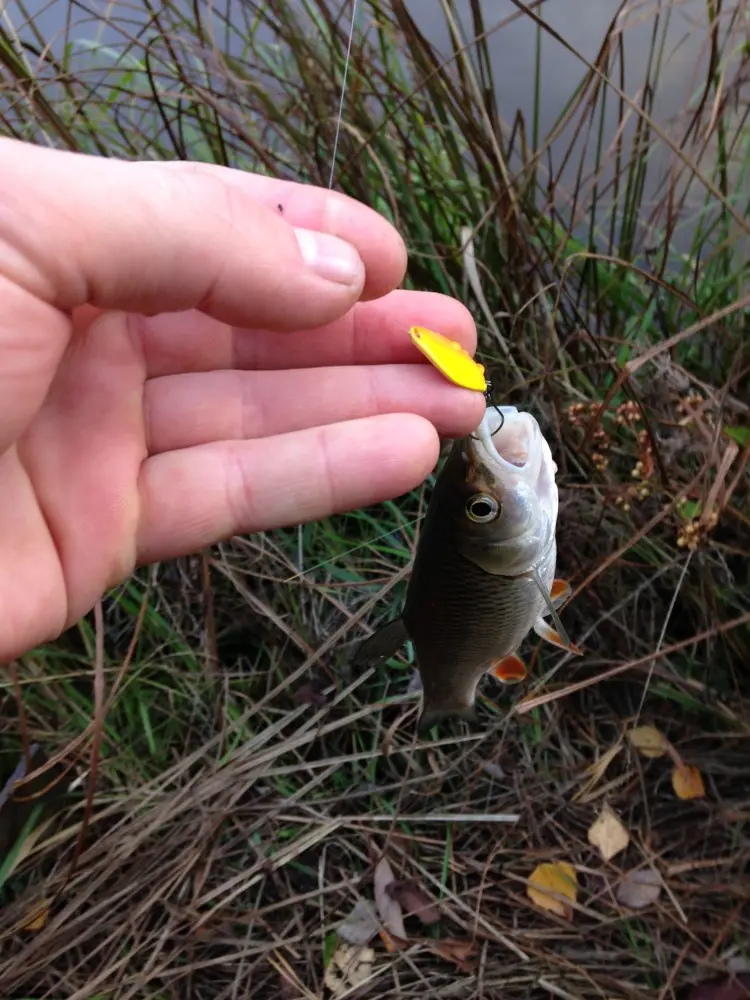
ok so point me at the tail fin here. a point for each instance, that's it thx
(381, 644)
(433, 714)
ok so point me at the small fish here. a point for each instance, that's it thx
(484, 570)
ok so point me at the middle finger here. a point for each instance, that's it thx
(183, 411)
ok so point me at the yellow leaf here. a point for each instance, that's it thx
(608, 833)
(350, 966)
(38, 917)
(649, 741)
(687, 782)
(551, 880)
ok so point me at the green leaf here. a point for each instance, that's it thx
(329, 948)
(690, 509)
(739, 434)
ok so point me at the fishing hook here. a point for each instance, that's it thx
(491, 402)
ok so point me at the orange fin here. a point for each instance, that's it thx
(510, 670)
(560, 592)
(546, 631)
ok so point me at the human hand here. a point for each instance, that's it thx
(173, 373)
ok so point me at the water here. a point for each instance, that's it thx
(512, 41)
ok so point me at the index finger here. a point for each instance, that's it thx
(372, 333)
(154, 237)
(157, 237)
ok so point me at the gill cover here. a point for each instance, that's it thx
(510, 465)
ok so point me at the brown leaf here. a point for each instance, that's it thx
(595, 772)
(388, 908)
(551, 880)
(608, 833)
(414, 900)
(310, 693)
(639, 888)
(456, 951)
(688, 782)
(649, 741)
(38, 917)
(392, 943)
(730, 988)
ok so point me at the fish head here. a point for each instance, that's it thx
(507, 495)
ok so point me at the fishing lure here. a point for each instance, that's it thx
(451, 360)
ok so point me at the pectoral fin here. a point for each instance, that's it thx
(546, 631)
(560, 592)
(559, 630)
(510, 670)
(381, 644)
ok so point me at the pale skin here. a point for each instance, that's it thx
(173, 372)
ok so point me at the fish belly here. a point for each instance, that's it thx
(461, 618)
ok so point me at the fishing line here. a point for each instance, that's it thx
(355, 4)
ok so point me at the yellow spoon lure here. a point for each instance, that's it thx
(451, 360)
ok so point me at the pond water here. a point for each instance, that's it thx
(683, 30)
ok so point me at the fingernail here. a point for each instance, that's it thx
(330, 258)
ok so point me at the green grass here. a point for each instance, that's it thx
(245, 769)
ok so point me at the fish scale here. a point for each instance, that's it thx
(482, 617)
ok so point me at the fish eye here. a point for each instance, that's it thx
(482, 508)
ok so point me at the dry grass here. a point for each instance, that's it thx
(246, 781)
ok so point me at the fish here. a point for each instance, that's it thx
(484, 569)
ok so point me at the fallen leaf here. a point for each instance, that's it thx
(456, 951)
(349, 966)
(494, 770)
(729, 988)
(639, 888)
(595, 772)
(687, 782)
(310, 693)
(739, 434)
(38, 917)
(388, 908)
(414, 900)
(649, 741)
(362, 924)
(552, 879)
(392, 943)
(608, 833)
(415, 683)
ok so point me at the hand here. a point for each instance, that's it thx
(189, 352)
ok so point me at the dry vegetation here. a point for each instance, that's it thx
(225, 787)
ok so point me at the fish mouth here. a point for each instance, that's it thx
(509, 439)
